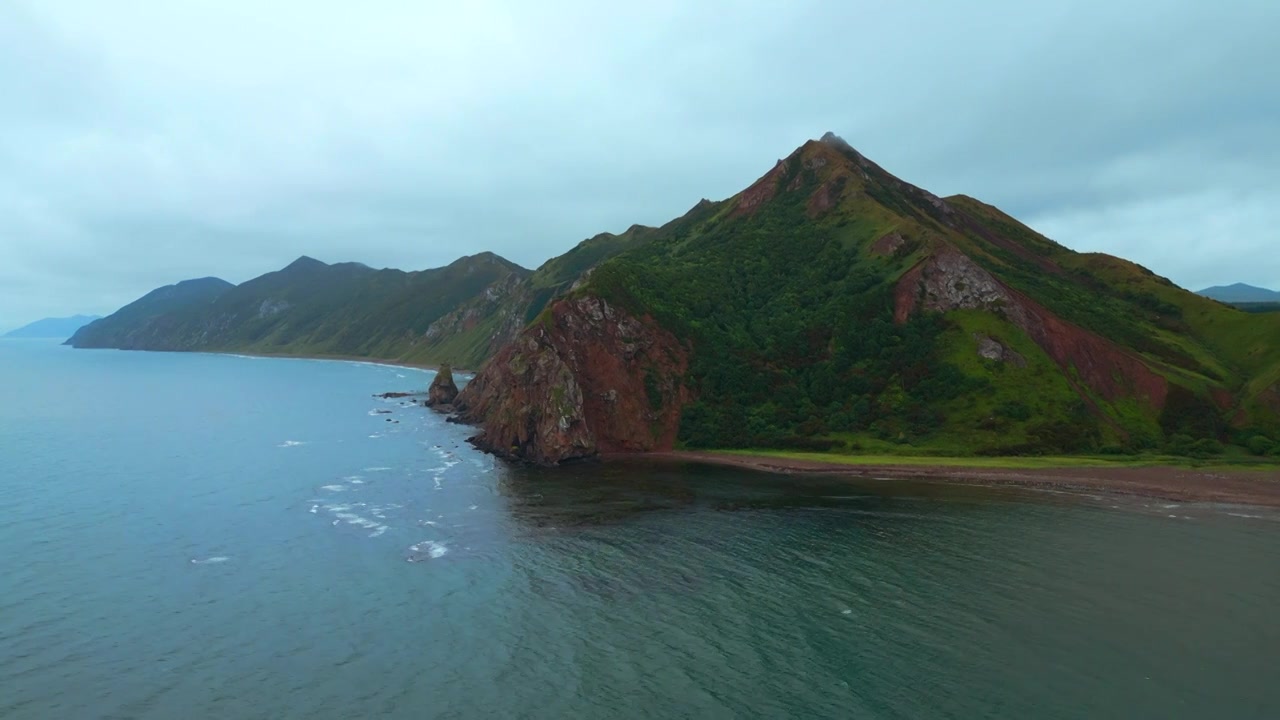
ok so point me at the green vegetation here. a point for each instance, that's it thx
(792, 326)
(1262, 307)
(138, 324)
(790, 317)
(307, 308)
(1013, 463)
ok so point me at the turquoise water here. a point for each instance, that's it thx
(198, 536)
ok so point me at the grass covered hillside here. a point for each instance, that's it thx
(832, 306)
(152, 317)
(309, 307)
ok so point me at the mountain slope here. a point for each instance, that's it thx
(310, 307)
(151, 317)
(831, 302)
(60, 328)
(1240, 293)
(478, 329)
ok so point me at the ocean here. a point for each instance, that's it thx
(211, 536)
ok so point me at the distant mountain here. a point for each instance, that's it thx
(308, 307)
(1241, 293)
(59, 328)
(831, 305)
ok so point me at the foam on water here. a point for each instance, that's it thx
(427, 550)
(210, 560)
(377, 469)
(334, 488)
(292, 443)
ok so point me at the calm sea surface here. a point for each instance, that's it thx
(200, 536)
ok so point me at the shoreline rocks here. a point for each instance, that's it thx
(443, 390)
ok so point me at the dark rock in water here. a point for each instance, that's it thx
(392, 395)
(443, 390)
(381, 412)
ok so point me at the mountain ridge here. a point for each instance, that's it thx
(827, 306)
(1240, 293)
(52, 327)
(311, 307)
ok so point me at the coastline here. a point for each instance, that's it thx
(339, 358)
(1228, 486)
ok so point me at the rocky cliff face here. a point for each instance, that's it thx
(949, 280)
(491, 320)
(584, 378)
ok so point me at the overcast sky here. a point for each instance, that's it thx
(145, 142)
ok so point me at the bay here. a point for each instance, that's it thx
(190, 535)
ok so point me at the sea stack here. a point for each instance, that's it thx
(443, 390)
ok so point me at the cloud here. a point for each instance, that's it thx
(142, 142)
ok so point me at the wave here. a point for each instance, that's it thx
(292, 443)
(427, 550)
(334, 488)
(375, 363)
(377, 469)
(210, 560)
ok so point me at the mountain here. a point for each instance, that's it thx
(1241, 293)
(832, 306)
(308, 307)
(477, 329)
(52, 327)
(138, 324)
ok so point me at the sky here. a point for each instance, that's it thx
(144, 142)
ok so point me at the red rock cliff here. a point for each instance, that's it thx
(950, 280)
(585, 378)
